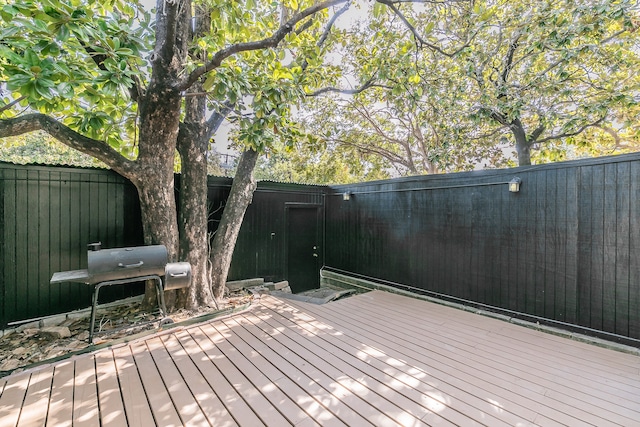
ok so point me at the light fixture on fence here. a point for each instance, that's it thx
(346, 196)
(514, 185)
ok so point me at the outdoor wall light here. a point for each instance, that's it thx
(514, 185)
(346, 196)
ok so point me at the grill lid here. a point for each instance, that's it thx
(124, 263)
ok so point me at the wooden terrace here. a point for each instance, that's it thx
(372, 359)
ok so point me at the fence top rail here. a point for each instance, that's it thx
(486, 176)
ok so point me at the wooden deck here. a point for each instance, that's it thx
(373, 359)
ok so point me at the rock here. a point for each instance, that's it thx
(281, 285)
(269, 286)
(30, 325)
(52, 321)
(19, 351)
(30, 332)
(83, 336)
(237, 285)
(56, 332)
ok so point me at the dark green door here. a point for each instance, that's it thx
(303, 248)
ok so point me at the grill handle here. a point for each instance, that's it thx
(137, 264)
(183, 274)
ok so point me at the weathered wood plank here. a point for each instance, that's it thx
(61, 401)
(136, 405)
(164, 411)
(112, 410)
(210, 404)
(12, 399)
(85, 392)
(34, 413)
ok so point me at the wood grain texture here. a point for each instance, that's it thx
(376, 359)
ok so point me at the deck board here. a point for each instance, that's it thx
(324, 405)
(197, 345)
(395, 373)
(521, 365)
(61, 397)
(164, 411)
(85, 393)
(109, 396)
(34, 413)
(373, 359)
(293, 413)
(12, 400)
(136, 406)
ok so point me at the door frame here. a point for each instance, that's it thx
(320, 234)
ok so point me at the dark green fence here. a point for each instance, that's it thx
(260, 249)
(566, 247)
(49, 214)
(47, 217)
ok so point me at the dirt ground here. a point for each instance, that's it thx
(32, 345)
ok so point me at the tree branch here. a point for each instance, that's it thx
(331, 22)
(355, 91)
(268, 42)
(167, 22)
(568, 134)
(392, 5)
(12, 103)
(95, 148)
(327, 29)
(536, 133)
(508, 63)
(135, 91)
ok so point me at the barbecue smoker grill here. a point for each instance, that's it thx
(118, 266)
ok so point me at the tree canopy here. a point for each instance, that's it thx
(419, 86)
(457, 84)
(132, 89)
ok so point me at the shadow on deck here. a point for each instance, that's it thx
(372, 359)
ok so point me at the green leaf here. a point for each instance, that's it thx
(65, 90)
(210, 81)
(18, 80)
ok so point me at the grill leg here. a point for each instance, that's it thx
(94, 306)
(160, 294)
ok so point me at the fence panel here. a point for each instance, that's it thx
(49, 215)
(565, 248)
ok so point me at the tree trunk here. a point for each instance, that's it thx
(224, 241)
(154, 178)
(193, 217)
(159, 221)
(523, 146)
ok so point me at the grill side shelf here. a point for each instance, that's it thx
(77, 276)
